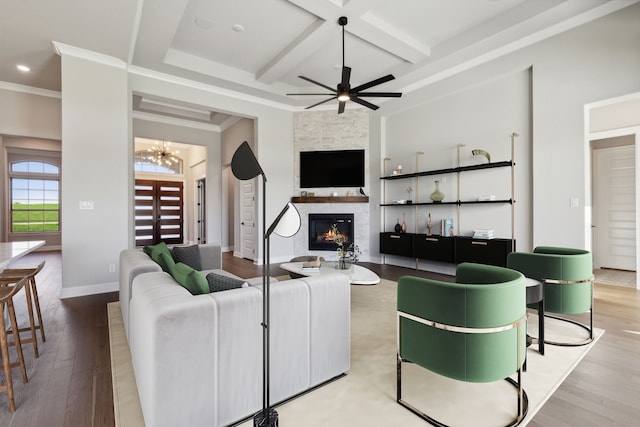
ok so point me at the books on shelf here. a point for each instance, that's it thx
(487, 198)
(483, 233)
(446, 227)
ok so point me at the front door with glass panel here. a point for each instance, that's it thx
(158, 212)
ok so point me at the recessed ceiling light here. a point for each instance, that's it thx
(204, 23)
(237, 28)
(23, 68)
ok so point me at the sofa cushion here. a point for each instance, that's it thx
(219, 282)
(189, 255)
(190, 279)
(154, 252)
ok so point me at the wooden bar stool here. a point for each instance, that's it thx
(31, 292)
(7, 290)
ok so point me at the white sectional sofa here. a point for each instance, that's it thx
(198, 358)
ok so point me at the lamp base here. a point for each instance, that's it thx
(260, 420)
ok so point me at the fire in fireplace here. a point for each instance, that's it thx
(321, 235)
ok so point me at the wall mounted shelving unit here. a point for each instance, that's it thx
(454, 249)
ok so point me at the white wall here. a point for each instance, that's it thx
(95, 149)
(28, 112)
(482, 116)
(596, 61)
(273, 133)
(232, 138)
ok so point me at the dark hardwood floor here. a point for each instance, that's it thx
(70, 383)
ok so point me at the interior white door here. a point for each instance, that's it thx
(614, 211)
(248, 219)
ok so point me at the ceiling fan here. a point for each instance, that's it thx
(344, 92)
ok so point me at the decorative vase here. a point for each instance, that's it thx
(398, 227)
(404, 225)
(344, 262)
(437, 195)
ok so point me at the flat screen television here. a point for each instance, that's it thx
(336, 168)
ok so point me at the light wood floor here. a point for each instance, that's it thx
(70, 383)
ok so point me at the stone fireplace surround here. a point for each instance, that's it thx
(326, 130)
(360, 213)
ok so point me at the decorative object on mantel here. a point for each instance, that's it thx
(404, 224)
(429, 224)
(398, 227)
(479, 152)
(303, 194)
(362, 193)
(348, 255)
(349, 193)
(437, 196)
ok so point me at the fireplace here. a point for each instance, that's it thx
(321, 234)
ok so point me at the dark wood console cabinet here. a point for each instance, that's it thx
(492, 251)
(447, 249)
(396, 244)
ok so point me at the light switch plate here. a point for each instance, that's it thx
(86, 205)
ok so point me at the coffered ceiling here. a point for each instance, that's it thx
(259, 47)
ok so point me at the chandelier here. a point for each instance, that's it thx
(161, 154)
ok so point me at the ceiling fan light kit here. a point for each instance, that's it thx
(344, 92)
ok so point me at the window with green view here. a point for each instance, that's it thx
(35, 197)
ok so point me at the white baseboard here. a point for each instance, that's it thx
(80, 291)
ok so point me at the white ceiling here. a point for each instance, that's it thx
(419, 41)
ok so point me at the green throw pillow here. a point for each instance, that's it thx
(190, 279)
(167, 262)
(155, 251)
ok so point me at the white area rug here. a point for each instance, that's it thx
(367, 395)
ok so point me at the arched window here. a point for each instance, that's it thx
(35, 196)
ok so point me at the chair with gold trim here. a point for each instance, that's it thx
(8, 289)
(567, 277)
(473, 330)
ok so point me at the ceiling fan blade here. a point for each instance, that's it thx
(346, 76)
(378, 94)
(321, 102)
(372, 83)
(294, 94)
(317, 83)
(341, 105)
(365, 103)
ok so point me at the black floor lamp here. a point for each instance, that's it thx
(244, 165)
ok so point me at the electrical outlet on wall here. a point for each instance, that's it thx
(112, 268)
(574, 202)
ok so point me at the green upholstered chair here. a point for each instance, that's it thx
(567, 275)
(473, 330)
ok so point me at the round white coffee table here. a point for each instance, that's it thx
(357, 274)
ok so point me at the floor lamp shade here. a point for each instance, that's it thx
(244, 164)
(287, 223)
